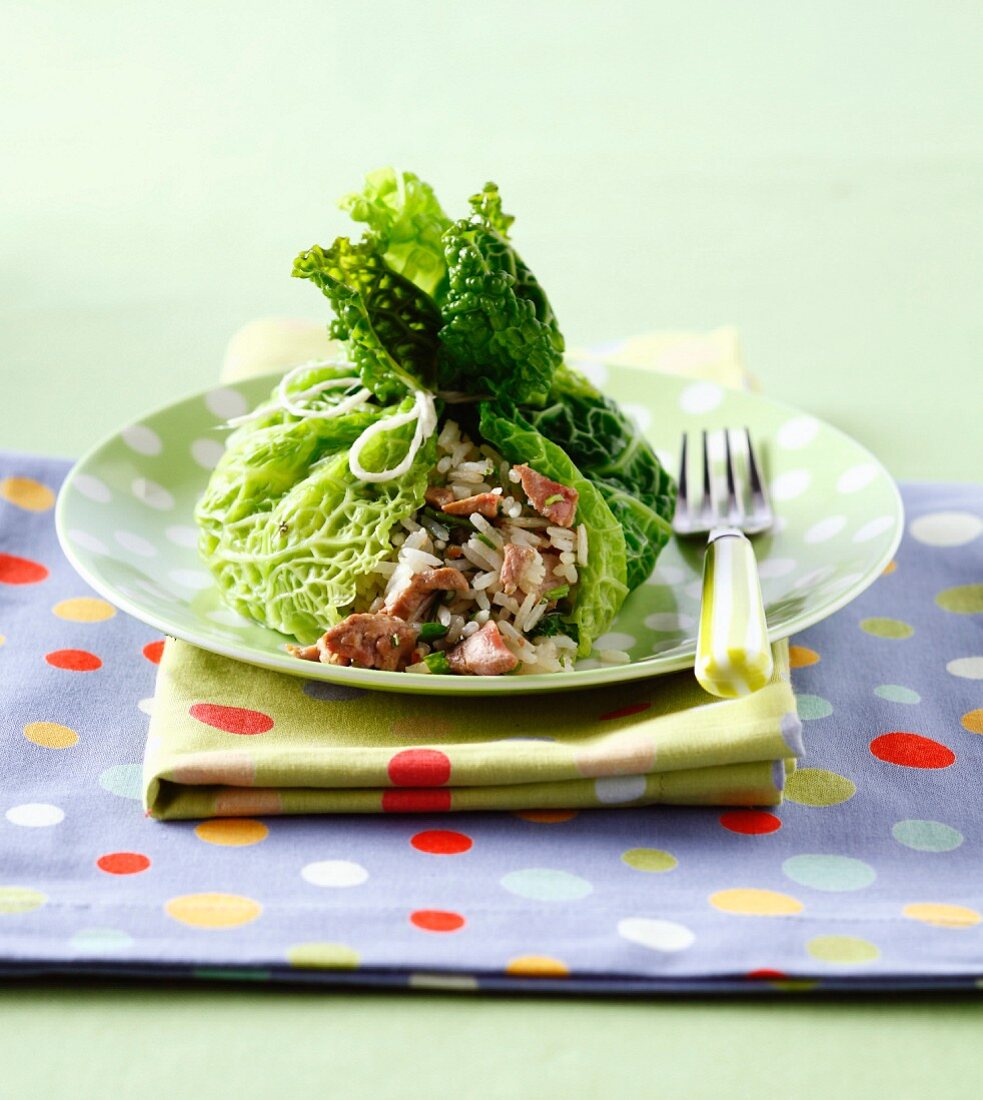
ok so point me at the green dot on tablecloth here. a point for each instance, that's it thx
(964, 599)
(124, 780)
(833, 873)
(813, 706)
(323, 956)
(887, 628)
(96, 941)
(897, 693)
(20, 899)
(845, 950)
(546, 884)
(926, 836)
(649, 859)
(818, 787)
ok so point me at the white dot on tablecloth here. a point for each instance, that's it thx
(873, 528)
(946, 528)
(700, 397)
(182, 536)
(857, 478)
(136, 544)
(87, 541)
(967, 668)
(207, 452)
(152, 494)
(143, 440)
(619, 788)
(657, 935)
(147, 705)
(825, 529)
(35, 815)
(92, 488)
(791, 484)
(334, 872)
(798, 432)
(225, 403)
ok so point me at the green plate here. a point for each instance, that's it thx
(124, 518)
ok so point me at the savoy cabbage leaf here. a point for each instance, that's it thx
(390, 325)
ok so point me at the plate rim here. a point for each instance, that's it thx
(438, 684)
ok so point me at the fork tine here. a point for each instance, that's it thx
(759, 495)
(682, 491)
(733, 511)
(707, 506)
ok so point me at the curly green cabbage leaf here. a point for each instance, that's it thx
(406, 222)
(500, 335)
(611, 451)
(391, 326)
(602, 586)
(291, 536)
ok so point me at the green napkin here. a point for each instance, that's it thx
(227, 739)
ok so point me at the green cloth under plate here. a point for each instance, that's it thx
(227, 739)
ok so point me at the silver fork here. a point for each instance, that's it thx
(733, 656)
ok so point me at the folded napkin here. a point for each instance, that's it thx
(227, 739)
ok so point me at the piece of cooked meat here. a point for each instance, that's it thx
(558, 503)
(483, 654)
(437, 496)
(519, 567)
(485, 504)
(370, 641)
(306, 652)
(407, 601)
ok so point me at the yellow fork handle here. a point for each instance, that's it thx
(733, 655)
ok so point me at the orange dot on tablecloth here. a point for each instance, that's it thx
(800, 656)
(537, 966)
(231, 832)
(441, 842)
(15, 570)
(213, 910)
(750, 822)
(941, 914)
(123, 863)
(419, 768)
(239, 720)
(51, 735)
(153, 651)
(437, 920)
(546, 817)
(751, 902)
(911, 750)
(84, 609)
(26, 493)
(972, 720)
(409, 801)
(890, 568)
(73, 660)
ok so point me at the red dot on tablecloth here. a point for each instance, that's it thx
(750, 822)
(14, 570)
(419, 768)
(231, 719)
(153, 650)
(625, 712)
(765, 974)
(441, 842)
(436, 920)
(416, 802)
(73, 660)
(911, 750)
(123, 863)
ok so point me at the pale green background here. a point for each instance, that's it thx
(810, 172)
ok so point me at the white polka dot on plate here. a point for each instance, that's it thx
(857, 478)
(191, 578)
(666, 575)
(837, 584)
(35, 815)
(92, 488)
(967, 668)
(657, 935)
(207, 452)
(615, 640)
(136, 544)
(152, 494)
(812, 578)
(143, 440)
(182, 536)
(700, 397)
(668, 622)
(334, 872)
(225, 403)
(639, 414)
(873, 528)
(825, 529)
(946, 528)
(227, 617)
(791, 484)
(619, 788)
(798, 432)
(87, 542)
(776, 567)
(694, 590)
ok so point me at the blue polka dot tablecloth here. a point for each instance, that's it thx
(869, 876)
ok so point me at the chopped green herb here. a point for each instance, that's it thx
(487, 541)
(549, 626)
(554, 499)
(558, 593)
(437, 662)
(430, 632)
(447, 519)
